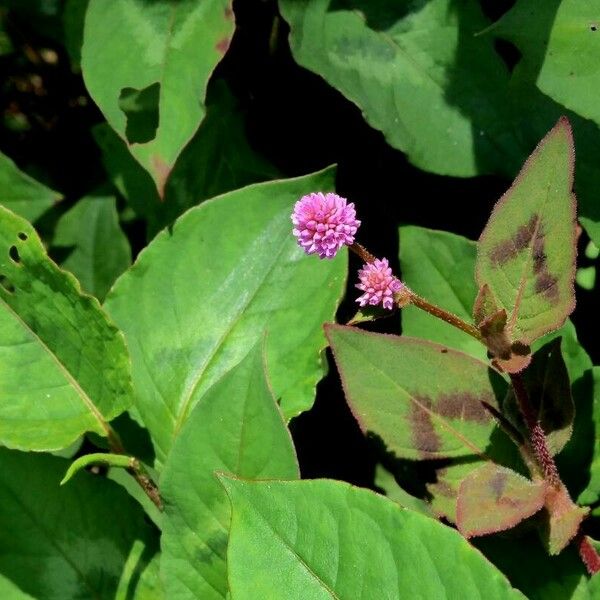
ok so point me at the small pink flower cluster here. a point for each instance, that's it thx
(378, 284)
(323, 223)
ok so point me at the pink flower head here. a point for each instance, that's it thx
(323, 223)
(378, 284)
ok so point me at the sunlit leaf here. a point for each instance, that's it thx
(236, 428)
(201, 295)
(560, 43)
(64, 368)
(387, 381)
(526, 254)
(150, 80)
(393, 59)
(326, 539)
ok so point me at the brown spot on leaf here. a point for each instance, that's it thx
(162, 171)
(497, 484)
(424, 436)
(546, 284)
(508, 249)
(229, 13)
(463, 406)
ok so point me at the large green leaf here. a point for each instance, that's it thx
(560, 42)
(218, 159)
(526, 253)
(97, 251)
(147, 65)
(64, 368)
(200, 296)
(66, 542)
(22, 194)
(388, 385)
(236, 428)
(327, 539)
(439, 266)
(416, 70)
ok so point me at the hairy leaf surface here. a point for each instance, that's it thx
(526, 254)
(387, 381)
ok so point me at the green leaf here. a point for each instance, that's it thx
(387, 482)
(97, 458)
(560, 43)
(526, 254)
(218, 159)
(439, 266)
(252, 441)
(69, 542)
(527, 565)
(140, 579)
(387, 381)
(563, 519)
(547, 383)
(494, 498)
(150, 80)
(97, 251)
(22, 194)
(591, 493)
(393, 59)
(200, 296)
(64, 367)
(327, 539)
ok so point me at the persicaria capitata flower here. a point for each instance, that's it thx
(378, 284)
(323, 223)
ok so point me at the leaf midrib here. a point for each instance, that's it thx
(87, 401)
(185, 406)
(50, 538)
(432, 414)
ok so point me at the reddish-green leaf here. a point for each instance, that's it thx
(563, 519)
(422, 399)
(526, 254)
(494, 498)
(547, 383)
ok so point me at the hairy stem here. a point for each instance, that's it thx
(362, 252)
(537, 435)
(136, 470)
(444, 315)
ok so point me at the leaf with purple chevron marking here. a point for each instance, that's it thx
(423, 400)
(494, 498)
(526, 253)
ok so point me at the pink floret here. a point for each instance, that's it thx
(323, 223)
(378, 284)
